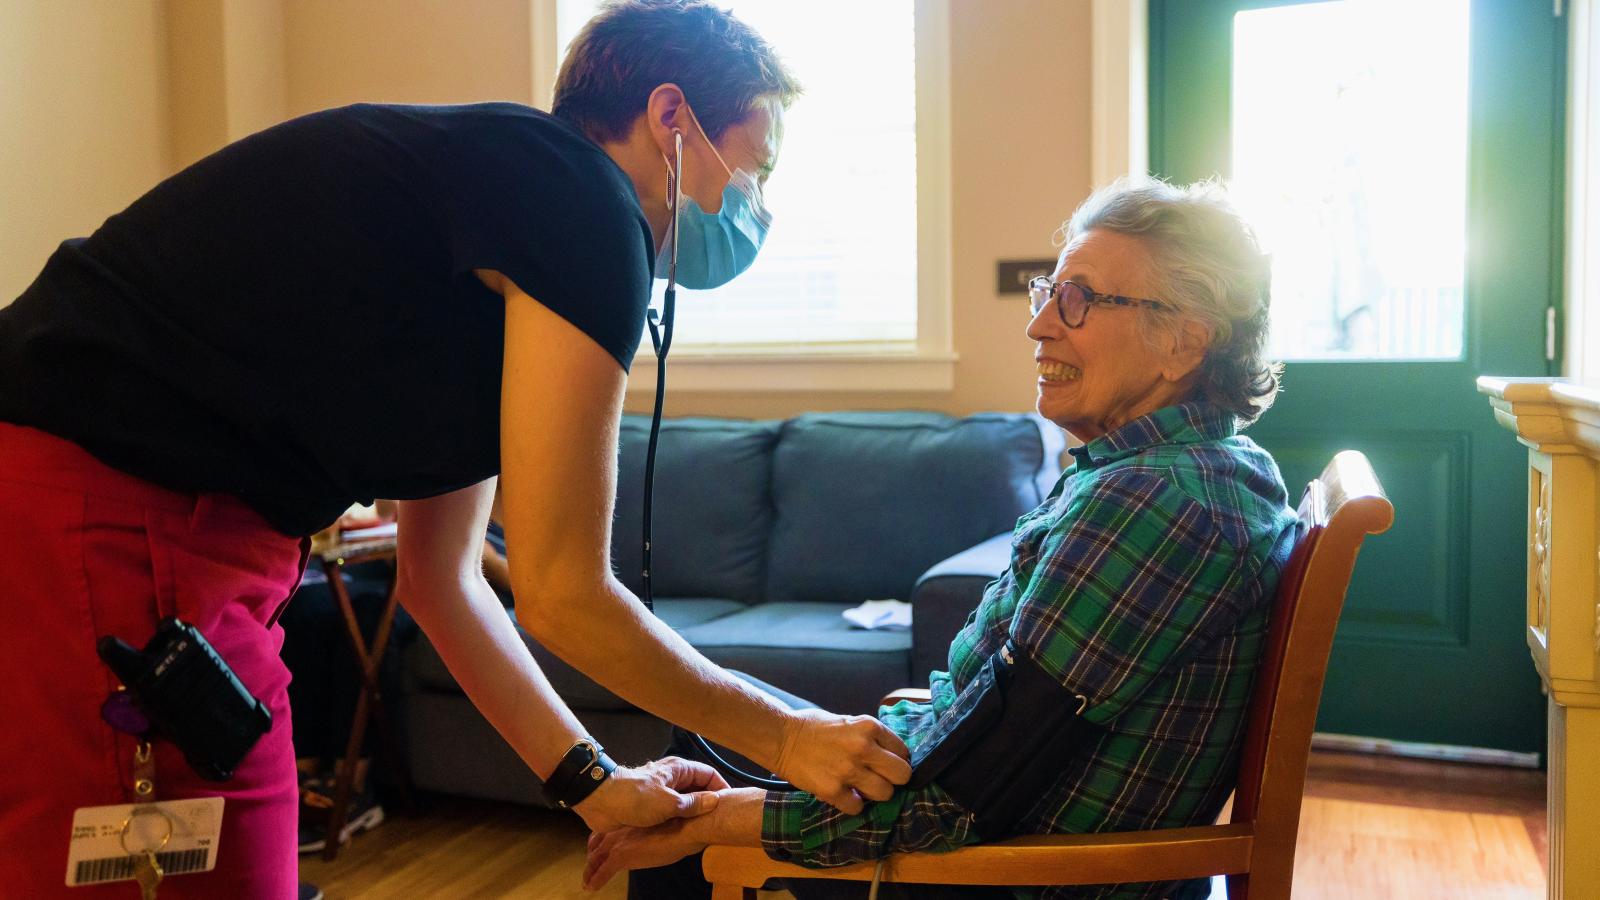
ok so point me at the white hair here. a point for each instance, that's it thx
(1208, 268)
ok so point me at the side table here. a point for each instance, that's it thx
(369, 701)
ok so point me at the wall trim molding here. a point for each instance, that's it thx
(1119, 90)
(749, 372)
(1581, 340)
(542, 50)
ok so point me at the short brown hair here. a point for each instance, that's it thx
(634, 46)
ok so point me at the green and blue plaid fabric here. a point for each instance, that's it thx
(1143, 583)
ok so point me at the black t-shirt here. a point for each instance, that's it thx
(295, 319)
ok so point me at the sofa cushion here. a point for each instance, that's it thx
(866, 502)
(579, 690)
(809, 650)
(713, 512)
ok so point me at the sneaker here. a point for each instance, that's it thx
(365, 814)
(309, 892)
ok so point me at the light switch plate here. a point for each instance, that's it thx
(1013, 275)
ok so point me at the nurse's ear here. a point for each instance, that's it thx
(665, 113)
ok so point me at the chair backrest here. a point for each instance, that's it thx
(1339, 509)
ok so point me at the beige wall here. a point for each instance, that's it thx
(256, 73)
(197, 87)
(239, 65)
(226, 64)
(83, 121)
(406, 51)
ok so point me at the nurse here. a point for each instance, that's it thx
(381, 301)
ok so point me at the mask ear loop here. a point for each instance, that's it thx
(661, 339)
(675, 188)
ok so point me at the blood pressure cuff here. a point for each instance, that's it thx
(1006, 740)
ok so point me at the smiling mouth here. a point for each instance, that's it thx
(1058, 371)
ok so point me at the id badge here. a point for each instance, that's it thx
(108, 840)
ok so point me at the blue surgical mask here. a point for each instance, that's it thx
(714, 248)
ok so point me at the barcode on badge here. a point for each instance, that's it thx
(118, 868)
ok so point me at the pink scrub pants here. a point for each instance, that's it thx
(88, 551)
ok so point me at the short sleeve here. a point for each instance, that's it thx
(529, 198)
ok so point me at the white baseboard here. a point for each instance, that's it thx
(1349, 743)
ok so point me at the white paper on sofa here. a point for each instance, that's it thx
(880, 615)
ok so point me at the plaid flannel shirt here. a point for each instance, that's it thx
(1143, 583)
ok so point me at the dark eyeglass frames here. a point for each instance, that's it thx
(1073, 300)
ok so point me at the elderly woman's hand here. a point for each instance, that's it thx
(626, 849)
(650, 794)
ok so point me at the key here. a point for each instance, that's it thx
(148, 873)
(120, 712)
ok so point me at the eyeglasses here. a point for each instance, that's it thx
(1073, 300)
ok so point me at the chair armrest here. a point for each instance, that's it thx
(943, 597)
(915, 695)
(1167, 854)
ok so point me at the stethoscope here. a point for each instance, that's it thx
(661, 339)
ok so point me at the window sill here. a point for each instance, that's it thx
(702, 371)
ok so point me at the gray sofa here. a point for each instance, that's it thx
(765, 532)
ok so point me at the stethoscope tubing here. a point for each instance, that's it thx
(661, 340)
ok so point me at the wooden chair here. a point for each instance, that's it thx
(1255, 849)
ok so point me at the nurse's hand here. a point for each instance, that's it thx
(650, 794)
(843, 760)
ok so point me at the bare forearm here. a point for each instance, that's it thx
(735, 822)
(481, 648)
(615, 640)
(560, 403)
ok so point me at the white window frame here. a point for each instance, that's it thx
(1119, 90)
(928, 363)
(1581, 288)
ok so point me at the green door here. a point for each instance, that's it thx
(1403, 161)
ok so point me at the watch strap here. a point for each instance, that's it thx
(581, 771)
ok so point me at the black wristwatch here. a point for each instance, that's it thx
(585, 767)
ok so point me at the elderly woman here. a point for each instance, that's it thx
(1141, 585)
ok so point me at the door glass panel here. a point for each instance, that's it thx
(1350, 157)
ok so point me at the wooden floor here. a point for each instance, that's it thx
(1372, 828)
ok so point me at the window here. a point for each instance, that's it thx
(1350, 155)
(855, 269)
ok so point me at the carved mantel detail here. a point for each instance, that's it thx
(1540, 545)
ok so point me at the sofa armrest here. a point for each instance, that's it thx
(943, 597)
(986, 560)
(914, 695)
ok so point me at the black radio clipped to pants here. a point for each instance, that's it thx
(190, 696)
